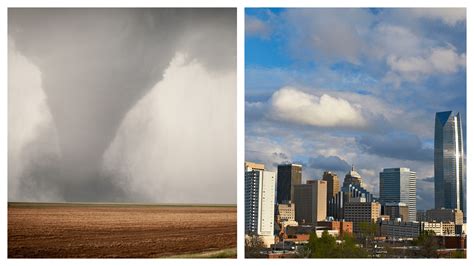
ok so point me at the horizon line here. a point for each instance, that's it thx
(124, 203)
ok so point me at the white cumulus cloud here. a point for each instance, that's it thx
(440, 60)
(450, 16)
(296, 106)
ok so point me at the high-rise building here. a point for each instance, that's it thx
(288, 176)
(399, 185)
(259, 200)
(351, 190)
(353, 178)
(310, 201)
(359, 212)
(449, 161)
(332, 181)
(396, 210)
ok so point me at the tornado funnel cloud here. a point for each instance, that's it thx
(95, 65)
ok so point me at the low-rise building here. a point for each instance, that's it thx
(437, 228)
(461, 229)
(421, 215)
(397, 230)
(452, 242)
(343, 227)
(449, 228)
(440, 228)
(300, 234)
(445, 215)
(285, 212)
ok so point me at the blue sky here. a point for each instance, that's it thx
(329, 88)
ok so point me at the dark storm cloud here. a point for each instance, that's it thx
(330, 163)
(97, 63)
(398, 146)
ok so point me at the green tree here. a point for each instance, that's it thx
(350, 249)
(322, 247)
(368, 229)
(327, 247)
(427, 243)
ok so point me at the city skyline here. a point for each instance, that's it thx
(364, 92)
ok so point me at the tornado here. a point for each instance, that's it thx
(96, 64)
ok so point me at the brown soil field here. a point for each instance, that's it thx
(118, 230)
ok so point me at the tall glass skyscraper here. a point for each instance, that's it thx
(399, 185)
(449, 161)
(288, 176)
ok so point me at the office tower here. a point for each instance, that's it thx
(285, 212)
(399, 185)
(396, 210)
(288, 176)
(449, 161)
(361, 211)
(351, 190)
(445, 215)
(333, 187)
(353, 178)
(310, 201)
(259, 200)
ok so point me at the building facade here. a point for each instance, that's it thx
(288, 176)
(353, 178)
(439, 228)
(394, 229)
(445, 215)
(348, 193)
(310, 201)
(343, 227)
(358, 212)
(396, 210)
(259, 200)
(421, 215)
(399, 185)
(285, 212)
(333, 185)
(449, 161)
(352, 190)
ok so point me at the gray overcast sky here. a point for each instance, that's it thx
(134, 105)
